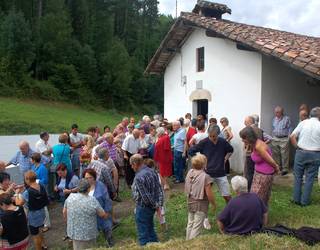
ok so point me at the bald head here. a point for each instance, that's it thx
(249, 121)
(24, 147)
(136, 133)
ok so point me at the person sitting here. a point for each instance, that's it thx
(100, 192)
(66, 182)
(244, 214)
(13, 228)
(198, 189)
(80, 211)
(36, 199)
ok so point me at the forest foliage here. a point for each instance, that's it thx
(89, 52)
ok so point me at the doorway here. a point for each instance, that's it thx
(200, 107)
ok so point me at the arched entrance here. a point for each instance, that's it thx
(200, 102)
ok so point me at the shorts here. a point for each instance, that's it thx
(34, 230)
(223, 185)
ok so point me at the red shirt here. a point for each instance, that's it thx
(191, 132)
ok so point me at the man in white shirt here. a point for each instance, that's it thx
(307, 159)
(42, 146)
(76, 140)
(130, 147)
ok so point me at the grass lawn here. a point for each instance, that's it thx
(31, 117)
(281, 211)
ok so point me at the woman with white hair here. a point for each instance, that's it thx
(163, 155)
(244, 214)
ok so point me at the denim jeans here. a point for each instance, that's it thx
(178, 165)
(305, 162)
(145, 225)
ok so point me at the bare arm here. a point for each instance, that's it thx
(220, 226)
(265, 219)
(19, 200)
(293, 139)
(102, 214)
(230, 135)
(262, 151)
(211, 197)
(64, 212)
(115, 176)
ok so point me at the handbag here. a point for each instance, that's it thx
(53, 167)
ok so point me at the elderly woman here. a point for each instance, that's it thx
(100, 192)
(198, 188)
(163, 156)
(227, 134)
(36, 199)
(265, 166)
(13, 225)
(86, 152)
(80, 211)
(144, 143)
(61, 152)
(66, 182)
(244, 214)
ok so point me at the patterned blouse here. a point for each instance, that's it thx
(82, 217)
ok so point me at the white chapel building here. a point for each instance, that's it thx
(216, 67)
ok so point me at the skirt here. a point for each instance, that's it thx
(261, 185)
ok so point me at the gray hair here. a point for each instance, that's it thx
(23, 143)
(160, 131)
(239, 184)
(213, 129)
(315, 112)
(83, 186)
(186, 122)
(136, 159)
(176, 123)
(156, 117)
(256, 119)
(102, 152)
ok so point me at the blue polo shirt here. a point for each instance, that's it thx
(179, 139)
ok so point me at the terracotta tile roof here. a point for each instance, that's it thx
(301, 52)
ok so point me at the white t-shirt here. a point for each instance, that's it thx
(76, 138)
(131, 144)
(41, 146)
(308, 133)
(199, 137)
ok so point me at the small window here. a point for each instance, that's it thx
(200, 59)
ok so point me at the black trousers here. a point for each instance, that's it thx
(128, 171)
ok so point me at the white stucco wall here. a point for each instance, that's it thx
(232, 76)
(287, 87)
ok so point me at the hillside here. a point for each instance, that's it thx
(31, 117)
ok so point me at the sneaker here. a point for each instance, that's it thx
(284, 172)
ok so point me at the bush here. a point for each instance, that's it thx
(45, 90)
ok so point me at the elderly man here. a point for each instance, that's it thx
(42, 146)
(218, 151)
(307, 158)
(130, 147)
(179, 153)
(245, 213)
(121, 127)
(23, 157)
(105, 169)
(281, 129)
(110, 146)
(148, 196)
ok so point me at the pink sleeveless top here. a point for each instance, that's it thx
(261, 166)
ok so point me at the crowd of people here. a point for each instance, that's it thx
(83, 173)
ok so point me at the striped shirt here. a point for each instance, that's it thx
(281, 127)
(112, 149)
(146, 188)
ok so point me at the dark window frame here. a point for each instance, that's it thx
(200, 59)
